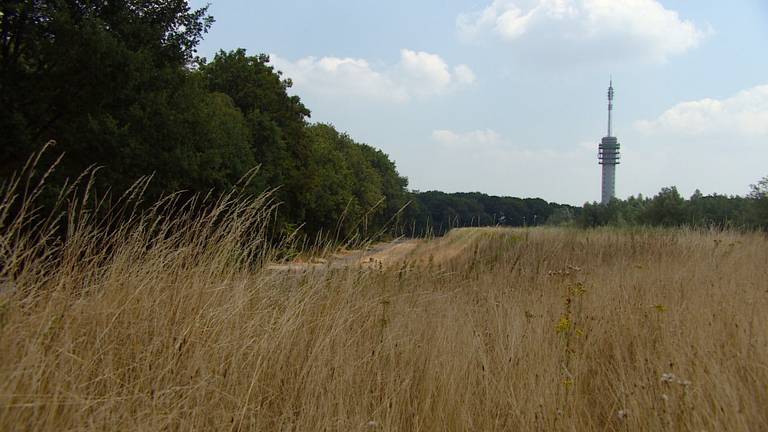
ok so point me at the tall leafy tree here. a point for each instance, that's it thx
(666, 208)
(109, 81)
(393, 186)
(276, 122)
(117, 84)
(759, 196)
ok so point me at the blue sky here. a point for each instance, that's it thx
(507, 97)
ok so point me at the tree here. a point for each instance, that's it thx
(351, 186)
(276, 120)
(117, 85)
(437, 212)
(561, 216)
(760, 189)
(667, 208)
(109, 82)
(393, 185)
(329, 182)
(759, 197)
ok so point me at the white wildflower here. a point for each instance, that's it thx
(667, 377)
(622, 414)
(665, 397)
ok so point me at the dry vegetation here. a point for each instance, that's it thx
(169, 323)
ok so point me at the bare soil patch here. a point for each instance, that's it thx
(383, 254)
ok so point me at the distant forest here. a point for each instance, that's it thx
(118, 85)
(669, 209)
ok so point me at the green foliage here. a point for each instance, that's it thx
(758, 197)
(759, 190)
(117, 85)
(108, 81)
(437, 212)
(351, 187)
(669, 209)
(326, 180)
(562, 216)
(393, 185)
(276, 123)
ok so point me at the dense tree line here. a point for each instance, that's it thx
(436, 212)
(118, 85)
(669, 209)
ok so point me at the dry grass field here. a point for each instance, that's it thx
(173, 322)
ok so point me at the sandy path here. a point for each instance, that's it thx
(380, 255)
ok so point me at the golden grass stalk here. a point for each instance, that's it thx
(166, 319)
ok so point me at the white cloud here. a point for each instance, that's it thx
(474, 140)
(744, 114)
(464, 75)
(417, 74)
(426, 73)
(341, 77)
(637, 28)
(512, 23)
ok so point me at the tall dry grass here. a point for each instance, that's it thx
(170, 322)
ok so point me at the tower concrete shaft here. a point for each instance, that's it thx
(608, 154)
(609, 183)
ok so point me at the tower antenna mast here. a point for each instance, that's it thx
(610, 108)
(608, 155)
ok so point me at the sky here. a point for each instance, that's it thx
(508, 97)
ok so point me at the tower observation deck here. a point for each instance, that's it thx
(608, 155)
